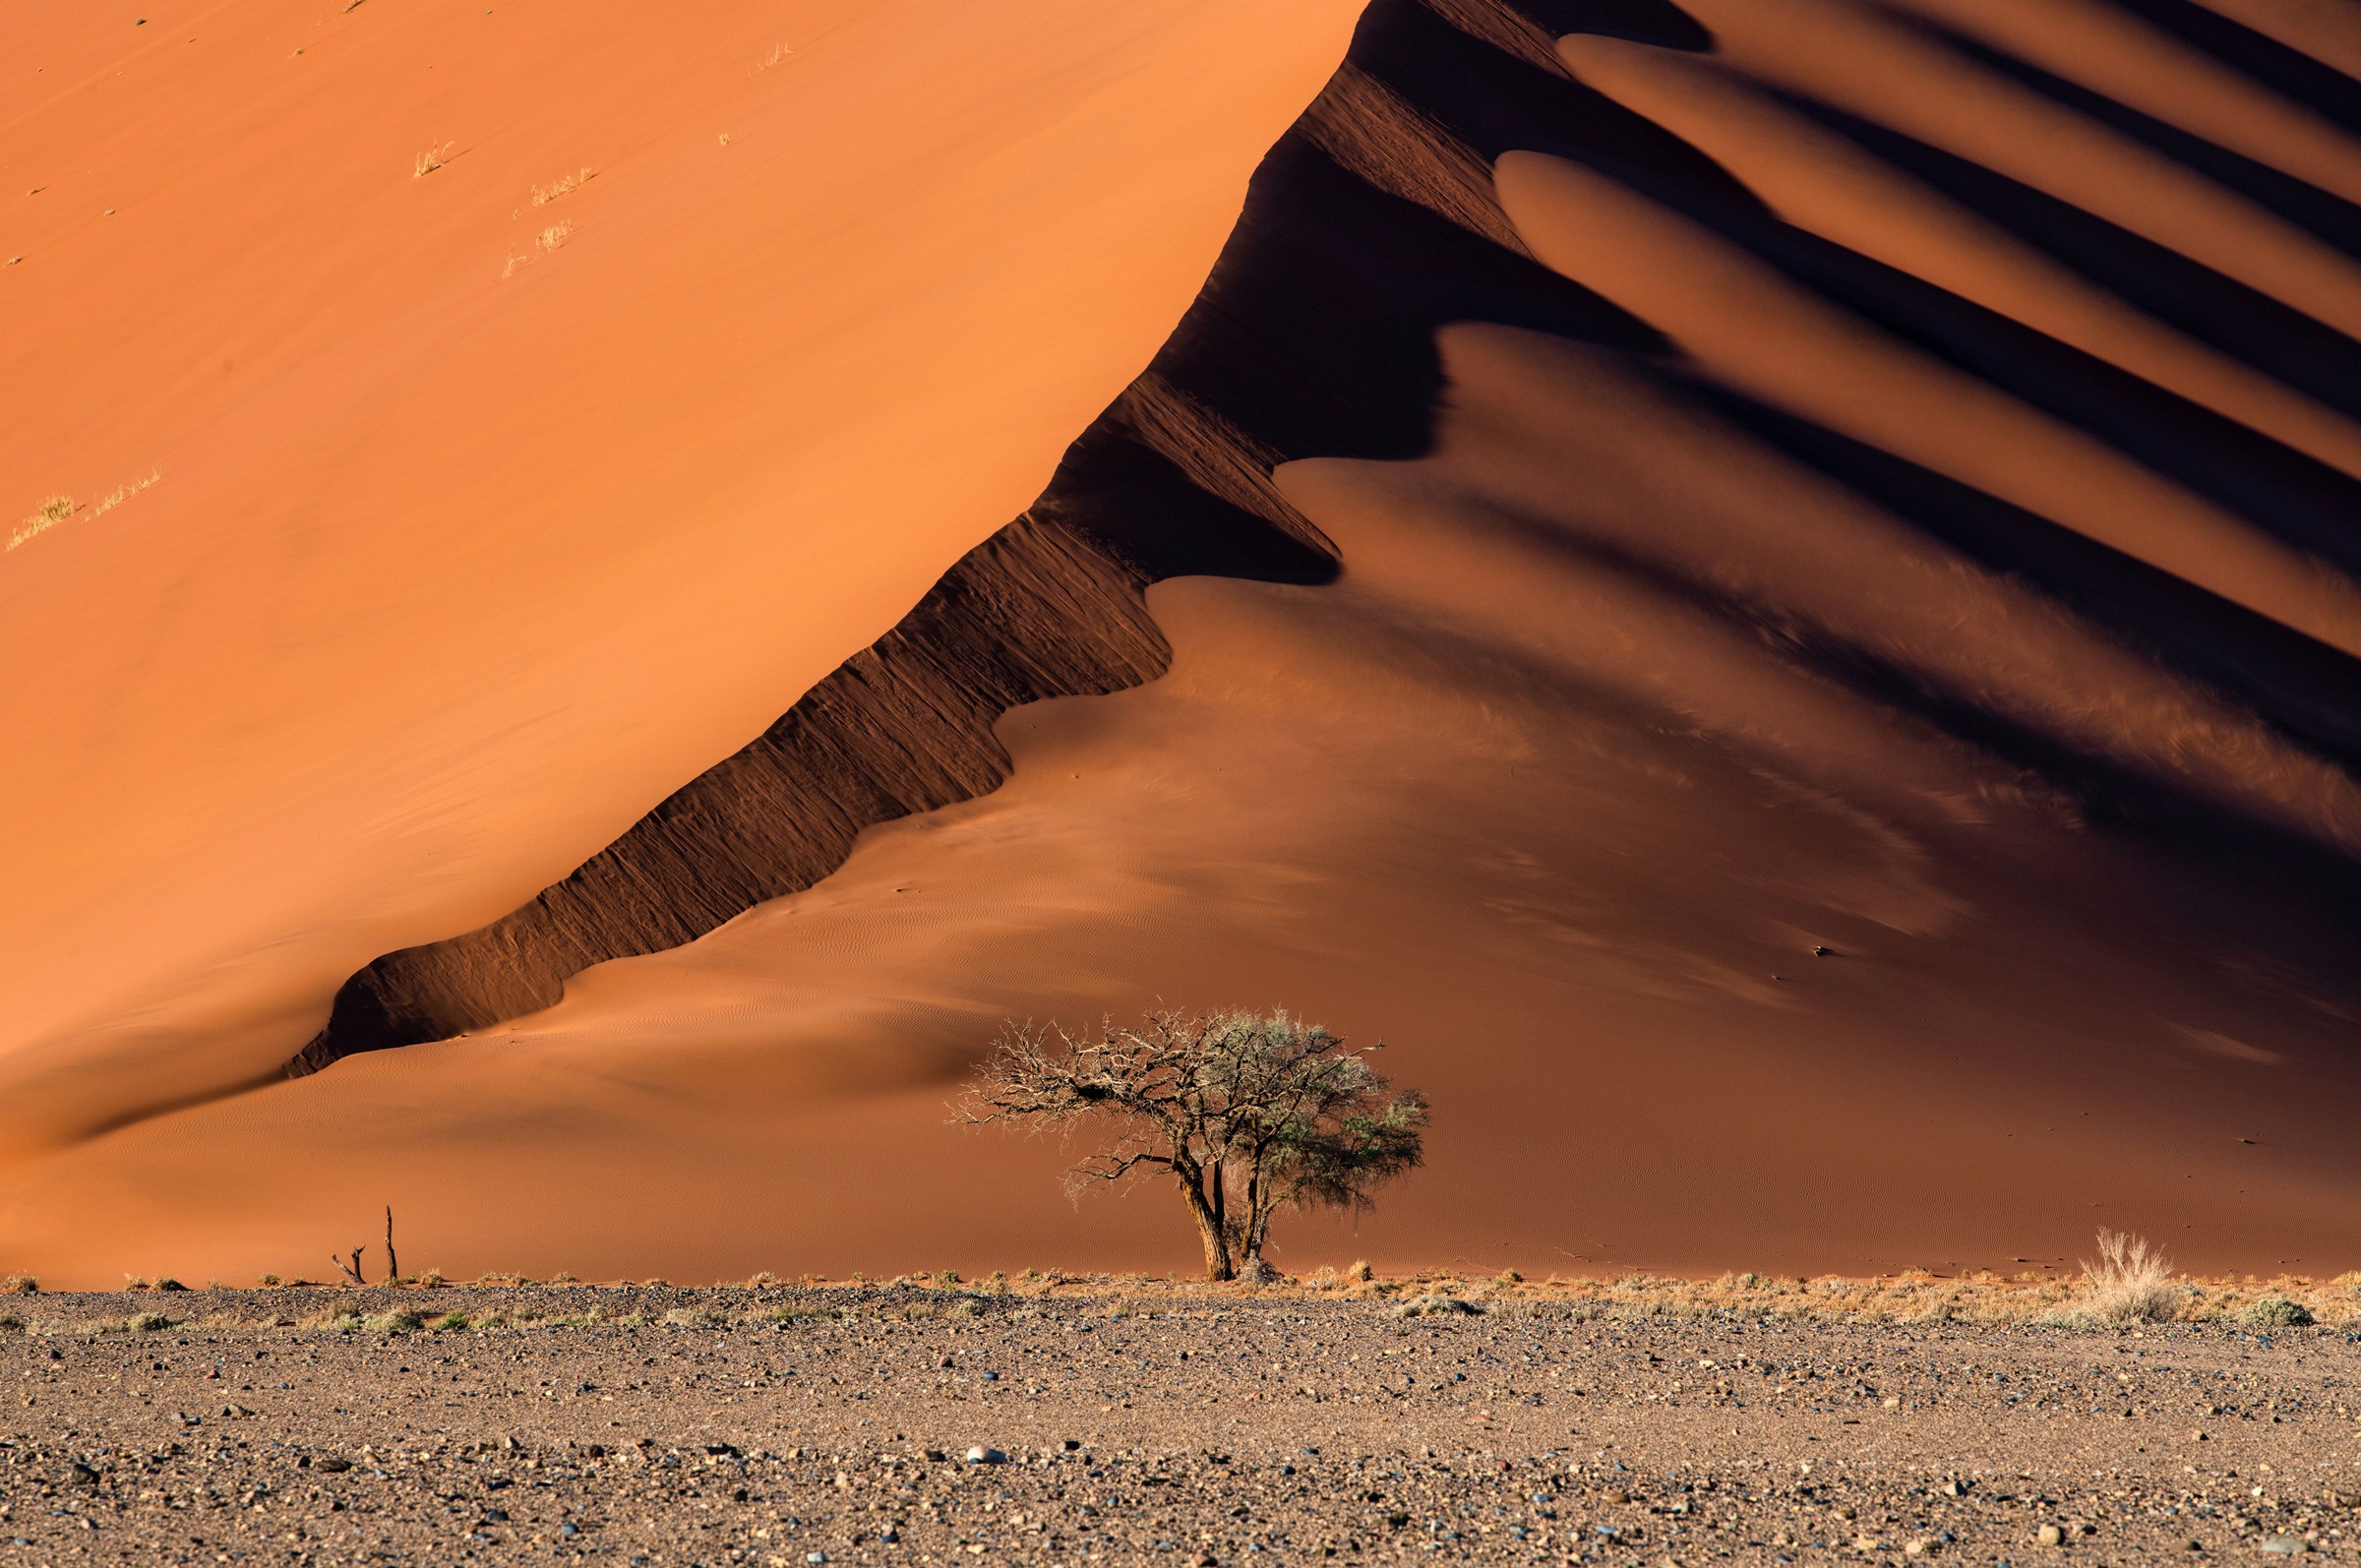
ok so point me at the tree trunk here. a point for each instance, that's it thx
(1209, 1224)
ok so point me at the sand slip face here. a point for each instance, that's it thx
(488, 509)
(1788, 478)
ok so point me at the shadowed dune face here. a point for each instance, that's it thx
(1766, 591)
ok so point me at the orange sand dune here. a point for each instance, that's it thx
(447, 574)
(1765, 589)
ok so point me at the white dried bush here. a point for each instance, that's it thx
(2130, 1282)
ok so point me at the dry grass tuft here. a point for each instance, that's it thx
(543, 194)
(550, 238)
(2130, 1283)
(45, 516)
(57, 508)
(776, 56)
(20, 1285)
(433, 158)
(124, 491)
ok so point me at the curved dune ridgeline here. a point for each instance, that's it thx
(1769, 589)
(1048, 607)
(1820, 223)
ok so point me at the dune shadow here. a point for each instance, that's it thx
(2329, 217)
(2292, 73)
(2219, 311)
(2293, 497)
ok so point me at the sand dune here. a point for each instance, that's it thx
(1644, 495)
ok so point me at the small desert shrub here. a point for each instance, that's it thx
(550, 238)
(2277, 1311)
(20, 1285)
(564, 1277)
(429, 160)
(10, 1323)
(147, 1322)
(1436, 1307)
(543, 194)
(124, 491)
(432, 1278)
(401, 1320)
(762, 1281)
(450, 1321)
(270, 1279)
(2130, 1283)
(696, 1318)
(1361, 1270)
(1509, 1277)
(504, 1277)
(45, 516)
(946, 1277)
(135, 1282)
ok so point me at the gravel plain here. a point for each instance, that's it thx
(914, 1426)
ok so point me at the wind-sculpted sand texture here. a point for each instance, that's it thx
(1766, 590)
(665, 1426)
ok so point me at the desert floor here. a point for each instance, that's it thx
(788, 1424)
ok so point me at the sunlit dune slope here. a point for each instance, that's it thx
(488, 510)
(1766, 589)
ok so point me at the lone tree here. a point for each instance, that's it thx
(1249, 1114)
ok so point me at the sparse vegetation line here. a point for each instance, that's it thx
(59, 509)
(543, 194)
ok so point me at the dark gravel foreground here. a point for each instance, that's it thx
(807, 1427)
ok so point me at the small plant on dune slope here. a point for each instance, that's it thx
(45, 516)
(433, 158)
(2130, 1283)
(554, 236)
(1248, 1113)
(543, 194)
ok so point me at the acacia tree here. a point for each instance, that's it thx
(1249, 1114)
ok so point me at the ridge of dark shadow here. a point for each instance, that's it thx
(2289, 494)
(2288, 71)
(2214, 309)
(2326, 216)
